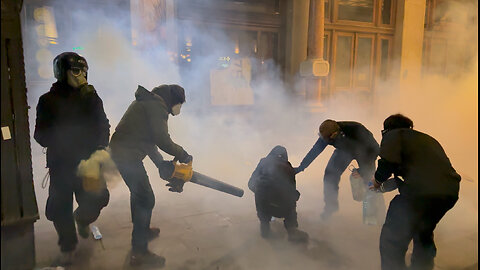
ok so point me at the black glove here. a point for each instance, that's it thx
(297, 170)
(175, 184)
(166, 169)
(101, 147)
(297, 195)
(186, 158)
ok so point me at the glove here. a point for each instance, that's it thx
(297, 170)
(297, 195)
(166, 169)
(175, 184)
(186, 158)
(101, 147)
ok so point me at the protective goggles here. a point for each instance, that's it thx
(76, 71)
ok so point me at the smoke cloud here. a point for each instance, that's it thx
(227, 142)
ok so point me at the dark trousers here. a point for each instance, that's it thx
(142, 201)
(412, 218)
(63, 183)
(267, 209)
(337, 164)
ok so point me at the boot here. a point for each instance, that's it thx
(153, 233)
(65, 259)
(146, 258)
(265, 231)
(83, 231)
(327, 213)
(297, 236)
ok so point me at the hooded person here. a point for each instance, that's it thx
(71, 123)
(141, 131)
(273, 183)
(352, 141)
(429, 190)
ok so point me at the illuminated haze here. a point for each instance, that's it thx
(227, 144)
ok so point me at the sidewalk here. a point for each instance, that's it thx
(205, 229)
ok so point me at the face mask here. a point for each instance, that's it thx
(176, 109)
(76, 77)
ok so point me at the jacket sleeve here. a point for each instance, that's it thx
(101, 121)
(159, 125)
(155, 156)
(252, 183)
(390, 156)
(44, 123)
(317, 148)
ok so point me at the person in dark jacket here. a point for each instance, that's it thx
(273, 183)
(141, 130)
(429, 190)
(351, 141)
(71, 124)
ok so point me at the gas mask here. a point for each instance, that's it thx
(76, 77)
(176, 109)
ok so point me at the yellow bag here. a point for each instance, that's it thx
(91, 172)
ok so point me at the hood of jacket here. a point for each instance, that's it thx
(144, 94)
(279, 152)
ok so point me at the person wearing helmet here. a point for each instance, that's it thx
(141, 130)
(352, 141)
(273, 183)
(429, 190)
(71, 123)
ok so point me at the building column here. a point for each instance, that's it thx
(296, 40)
(408, 43)
(315, 67)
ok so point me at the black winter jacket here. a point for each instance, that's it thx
(354, 139)
(71, 123)
(420, 160)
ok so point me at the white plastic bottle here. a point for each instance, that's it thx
(370, 207)
(96, 232)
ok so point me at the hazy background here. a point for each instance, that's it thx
(228, 143)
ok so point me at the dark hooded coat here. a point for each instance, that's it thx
(71, 124)
(420, 160)
(144, 126)
(274, 180)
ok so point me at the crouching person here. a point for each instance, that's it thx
(273, 183)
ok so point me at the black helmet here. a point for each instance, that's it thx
(66, 61)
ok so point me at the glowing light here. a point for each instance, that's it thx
(224, 58)
(189, 60)
(237, 50)
(38, 14)
(45, 71)
(43, 55)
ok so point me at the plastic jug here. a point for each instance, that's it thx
(358, 185)
(373, 208)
